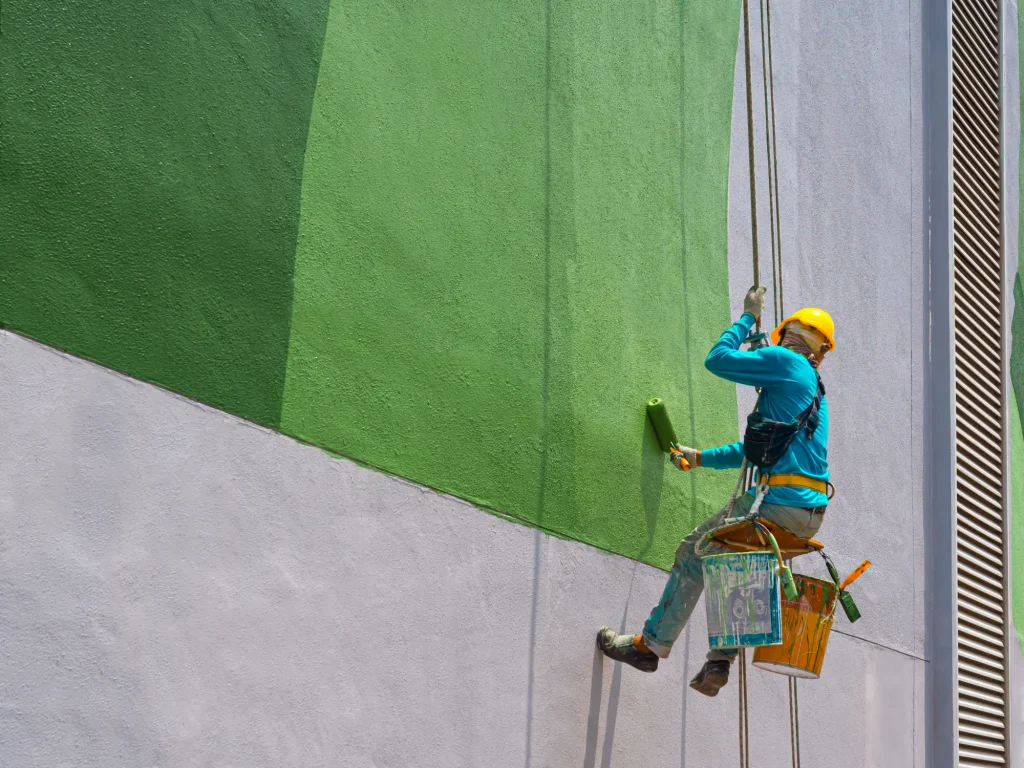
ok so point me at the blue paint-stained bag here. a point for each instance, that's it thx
(743, 598)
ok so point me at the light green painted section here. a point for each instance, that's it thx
(493, 275)
(1017, 539)
(1017, 385)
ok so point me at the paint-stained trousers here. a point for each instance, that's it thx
(686, 581)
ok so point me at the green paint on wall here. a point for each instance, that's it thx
(1017, 524)
(150, 170)
(1017, 402)
(493, 275)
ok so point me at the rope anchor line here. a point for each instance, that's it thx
(771, 151)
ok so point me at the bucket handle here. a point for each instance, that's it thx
(784, 572)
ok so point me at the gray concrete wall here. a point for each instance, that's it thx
(182, 588)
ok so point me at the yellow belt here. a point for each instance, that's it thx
(800, 481)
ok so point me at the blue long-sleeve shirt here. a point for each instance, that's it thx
(788, 384)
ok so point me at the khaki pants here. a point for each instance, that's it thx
(686, 581)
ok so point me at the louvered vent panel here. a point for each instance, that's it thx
(979, 402)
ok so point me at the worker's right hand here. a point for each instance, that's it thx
(753, 302)
(684, 458)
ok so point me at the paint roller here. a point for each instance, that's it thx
(658, 414)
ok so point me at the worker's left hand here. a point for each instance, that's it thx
(753, 302)
(691, 456)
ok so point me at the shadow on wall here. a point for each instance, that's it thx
(614, 692)
(652, 476)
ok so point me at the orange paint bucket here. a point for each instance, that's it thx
(806, 625)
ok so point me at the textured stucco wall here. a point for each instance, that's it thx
(182, 588)
(511, 231)
(1012, 95)
(513, 235)
(190, 589)
(150, 169)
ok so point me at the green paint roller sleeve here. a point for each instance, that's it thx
(658, 414)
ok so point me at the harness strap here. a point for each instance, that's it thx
(794, 480)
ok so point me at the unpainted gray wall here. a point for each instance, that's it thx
(182, 588)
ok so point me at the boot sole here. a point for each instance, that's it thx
(710, 685)
(612, 652)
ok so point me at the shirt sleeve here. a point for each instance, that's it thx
(758, 368)
(724, 457)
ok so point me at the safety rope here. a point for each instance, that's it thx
(775, 157)
(772, 171)
(778, 307)
(777, 282)
(743, 717)
(794, 722)
(744, 735)
(750, 142)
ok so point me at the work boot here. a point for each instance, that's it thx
(712, 677)
(622, 648)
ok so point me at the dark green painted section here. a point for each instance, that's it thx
(513, 236)
(150, 171)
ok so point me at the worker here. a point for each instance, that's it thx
(787, 375)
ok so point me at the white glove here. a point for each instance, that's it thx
(681, 453)
(753, 302)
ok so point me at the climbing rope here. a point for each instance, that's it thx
(750, 143)
(767, 6)
(744, 723)
(772, 170)
(777, 283)
(746, 473)
(794, 722)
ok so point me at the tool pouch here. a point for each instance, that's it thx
(765, 441)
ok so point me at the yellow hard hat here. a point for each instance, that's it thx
(815, 318)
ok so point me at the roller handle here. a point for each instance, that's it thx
(682, 459)
(858, 572)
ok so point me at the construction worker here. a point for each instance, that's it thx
(787, 376)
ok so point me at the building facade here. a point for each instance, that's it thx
(328, 330)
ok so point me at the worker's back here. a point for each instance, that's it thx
(784, 396)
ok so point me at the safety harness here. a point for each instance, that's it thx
(765, 441)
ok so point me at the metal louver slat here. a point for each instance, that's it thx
(973, 151)
(966, 600)
(982, 558)
(981, 483)
(983, 454)
(983, 732)
(979, 536)
(966, 201)
(986, 198)
(978, 232)
(980, 671)
(979, 390)
(972, 578)
(986, 722)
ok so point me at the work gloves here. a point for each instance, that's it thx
(684, 458)
(753, 302)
